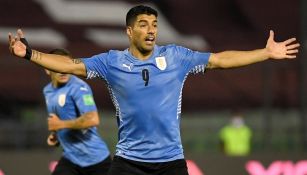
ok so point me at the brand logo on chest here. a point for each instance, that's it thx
(128, 66)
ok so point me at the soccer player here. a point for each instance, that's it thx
(145, 83)
(73, 120)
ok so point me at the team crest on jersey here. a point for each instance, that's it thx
(62, 99)
(161, 63)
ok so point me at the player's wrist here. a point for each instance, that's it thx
(28, 54)
(266, 54)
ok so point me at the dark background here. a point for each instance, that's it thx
(272, 95)
(223, 24)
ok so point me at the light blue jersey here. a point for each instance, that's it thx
(147, 97)
(82, 147)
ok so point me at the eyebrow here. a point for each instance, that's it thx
(142, 20)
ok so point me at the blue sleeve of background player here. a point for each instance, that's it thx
(83, 98)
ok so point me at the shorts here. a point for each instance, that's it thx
(66, 167)
(122, 166)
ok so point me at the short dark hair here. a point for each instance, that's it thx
(63, 52)
(138, 10)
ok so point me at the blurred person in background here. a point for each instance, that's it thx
(235, 137)
(145, 83)
(72, 122)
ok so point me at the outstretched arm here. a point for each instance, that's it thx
(275, 50)
(57, 63)
(86, 120)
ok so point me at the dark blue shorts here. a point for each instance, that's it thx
(122, 166)
(66, 167)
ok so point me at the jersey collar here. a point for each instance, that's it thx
(134, 59)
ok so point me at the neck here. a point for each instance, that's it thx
(56, 84)
(141, 55)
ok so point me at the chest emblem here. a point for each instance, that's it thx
(161, 63)
(62, 99)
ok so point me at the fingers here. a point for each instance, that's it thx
(10, 37)
(52, 137)
(52, 140)
(288, 41)
(291, 56)
(53, 122)
(20, 33)
(51, 127)
(292, 51)
(271, 37)
(11, 41)
(293, 46)
(51, 115)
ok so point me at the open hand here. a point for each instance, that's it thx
(281, 50)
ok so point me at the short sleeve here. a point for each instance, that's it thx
(83, 98)
(96, 66)
(193, 61)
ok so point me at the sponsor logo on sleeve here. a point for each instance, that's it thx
(88, 100)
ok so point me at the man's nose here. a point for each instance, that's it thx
(151, 30)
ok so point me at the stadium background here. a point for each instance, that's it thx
(271, 95)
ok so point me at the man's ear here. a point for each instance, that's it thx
(129, 31)
(47, 71)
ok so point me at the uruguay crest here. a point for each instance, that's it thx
(161, 63)
(62, 99)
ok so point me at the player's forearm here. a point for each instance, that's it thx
(56, 63)
(230, 59)
(59, 63)
(87, 120)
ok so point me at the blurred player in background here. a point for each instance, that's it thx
(73, 120)
(145, 83)
(236, 137)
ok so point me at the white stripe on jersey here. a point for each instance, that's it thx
(92, 74)
(198, 69)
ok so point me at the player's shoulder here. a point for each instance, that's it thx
(112, 56)
(76, 85)
(170, 47)
(47, 88)
(116, 53)
(167, 47)
(77, 81)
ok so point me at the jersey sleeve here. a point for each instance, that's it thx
(45, 89)
(96, 66)
(84, 99)
(193, 61)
